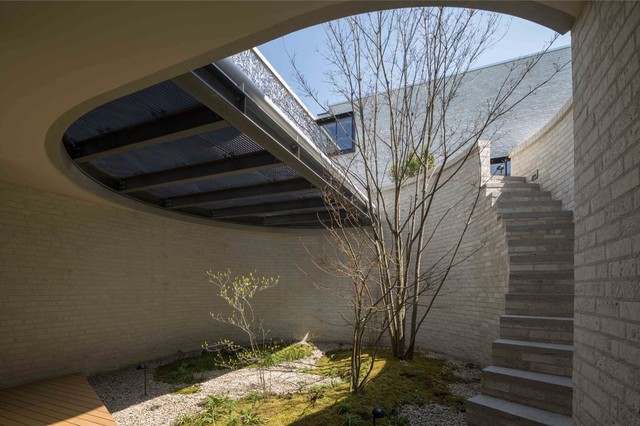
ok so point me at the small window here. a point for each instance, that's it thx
(501, 166)
(341, 130)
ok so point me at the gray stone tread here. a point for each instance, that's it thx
(539, 226)
(561, 273)
(521, 215)
(539, 241)
(506, 202)
(541, 345)
(535, 258)
(539, 296)
(535, 194)
(523, 411)
(539, 317)
(531, 375)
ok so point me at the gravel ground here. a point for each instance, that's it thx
(122, 391)
(440, 415)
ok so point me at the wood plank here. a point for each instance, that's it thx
(85, 393)
(28, 410)
(76, 389)
(94, 415)
(32, 418)
(53, 393)
(5, 421)
(65, 401)
(47, 396)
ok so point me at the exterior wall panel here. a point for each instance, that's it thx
(606, 81)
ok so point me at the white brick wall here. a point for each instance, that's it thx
(89, 288)
(465, 317)
(550, 152)
(86, 287)
(606, 81)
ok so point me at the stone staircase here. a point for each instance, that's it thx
(529, 382)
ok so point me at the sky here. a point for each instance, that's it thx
(523, 38)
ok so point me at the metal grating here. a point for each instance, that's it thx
(163, 147)
(150, 104)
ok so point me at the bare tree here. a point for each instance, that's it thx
(400, 73)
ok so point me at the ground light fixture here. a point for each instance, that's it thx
(144, 368)
(377, 413)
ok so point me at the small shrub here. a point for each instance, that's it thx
(254, 396)
(352, 420)
(343, 407)
(249, 417)
(206, 419)
(218, 403)
(184, 419)
(316, 393)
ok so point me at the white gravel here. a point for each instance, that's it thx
(440, 415)
(122, 391)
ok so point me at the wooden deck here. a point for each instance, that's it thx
(68, 400)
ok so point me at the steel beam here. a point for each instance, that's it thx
(219, 168)
(295, 219)
(189, 123)
(271, 208)
(293, 186)
(247, 116)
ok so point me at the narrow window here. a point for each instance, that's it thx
(341, 130)
(501, 166)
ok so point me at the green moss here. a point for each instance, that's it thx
(187, 390)
(189, 370)
(394, 383)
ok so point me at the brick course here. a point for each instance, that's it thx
(606, 76)
(89, 288)
(550, 152)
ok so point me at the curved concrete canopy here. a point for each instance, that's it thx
(60, 60)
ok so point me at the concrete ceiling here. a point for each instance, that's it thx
(60, 60)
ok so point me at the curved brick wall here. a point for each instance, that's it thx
(550, 153)
(87, 287)
(465, 317)
(606, 83)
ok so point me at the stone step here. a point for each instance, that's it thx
(542, 230)
(559, 305)
(535, 218)
(511, 186)
(537, 328)
(525, 196)
(540, 357)
(484, 410)
(540, 262)
(553, 282)
(539, 390)
(499, 178)
(564, 276)
(540, 245)
(509, 206)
